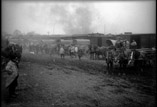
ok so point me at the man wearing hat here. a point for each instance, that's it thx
(133, 44)
(9, 69)
(11, 80)
(110, 57)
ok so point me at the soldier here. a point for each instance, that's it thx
(61, 51)
(133, 44)
(127, 44)
(3, 77)
(12, 77)
(72, 50)
(109, 58)
(118, 43)
(10, 69)
(76, 51)
(80, 53)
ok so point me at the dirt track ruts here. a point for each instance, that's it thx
(53, 82)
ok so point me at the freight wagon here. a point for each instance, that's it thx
(143, 40)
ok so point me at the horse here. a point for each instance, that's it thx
(92, 51)
(138, 60)
(101, 51)
(80, 53)
(122, 59)
(52, 49)
(109, 59)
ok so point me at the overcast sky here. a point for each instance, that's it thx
(79, 17)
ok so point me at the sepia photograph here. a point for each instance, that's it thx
(81, 53)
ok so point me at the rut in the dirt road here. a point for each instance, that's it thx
(44, 82)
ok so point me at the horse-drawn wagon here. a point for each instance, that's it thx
(138, 58)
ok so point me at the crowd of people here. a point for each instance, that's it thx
(120, 52)
(71, 50)
(127, 54)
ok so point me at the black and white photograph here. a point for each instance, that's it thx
(80, 53)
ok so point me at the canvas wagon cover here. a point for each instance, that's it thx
(110, 42)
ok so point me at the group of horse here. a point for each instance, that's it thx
(123, 57)
(69, 50)
(39, 48)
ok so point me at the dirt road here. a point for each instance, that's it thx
(53, 82)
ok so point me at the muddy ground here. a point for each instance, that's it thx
(46, 81)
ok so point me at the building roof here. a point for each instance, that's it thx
(87, 36)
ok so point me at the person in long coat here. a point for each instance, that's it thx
(109, 58)
(12, 77)
(9, 70)
(133, 44)
(62, 51)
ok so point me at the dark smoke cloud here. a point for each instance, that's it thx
(77, 22)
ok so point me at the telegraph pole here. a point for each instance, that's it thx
(104, 29)
(54, 28)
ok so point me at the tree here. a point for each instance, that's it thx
(31, 33)
(6, 35)
(17, 33)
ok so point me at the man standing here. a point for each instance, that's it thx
(133, 44)
(76, 51)
(61, 52)
(127, 44)
(109, 58)
(119, 44)
(10, 69)
(11, 81)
